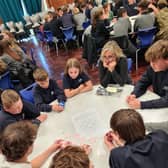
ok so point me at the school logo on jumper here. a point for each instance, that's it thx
(80, 80)
(52, 92)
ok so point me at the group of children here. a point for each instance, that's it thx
(127, 138)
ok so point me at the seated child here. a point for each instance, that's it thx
(75, 80)
(14, 109)
(17, 144)
(156, 75)
(72, 156)
(47, 91)
(129, 145)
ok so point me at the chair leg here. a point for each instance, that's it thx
(56, 47)
(137, 59)
(64, 44)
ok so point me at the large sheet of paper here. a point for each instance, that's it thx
(88, 124)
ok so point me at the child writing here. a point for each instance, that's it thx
(14, 109)
(129, 145)
(17, 144)
(75, 80)
(47, 91)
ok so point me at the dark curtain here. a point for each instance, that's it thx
(11, 10)
(32, 6)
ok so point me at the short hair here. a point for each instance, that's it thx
(73, 63)
(114, 48)
(16, 139)
(143, 4)
(9, 97)
(121, 11)
(71, 156)
(40, 74)
(158, 50)
(129, 125)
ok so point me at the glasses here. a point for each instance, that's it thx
(110, 57)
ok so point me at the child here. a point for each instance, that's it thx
(72, 156)
(47, 91)
(113, 65)
(17, 144)
(129, 145)
(75, 80)
(14, 110)
(156, 76)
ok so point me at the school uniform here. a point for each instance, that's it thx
(43, 97)
(69, 83)
(6, 164)
(143, 21)
(29, 112)
(150, 152)
(118, 76)
(159, 82)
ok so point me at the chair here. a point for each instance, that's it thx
(27, 93)
(40, 37)
(125, 44)
(11, 26)
(32, 56)
(146, 38)
(86, 24)
(129, 64)
(49, 38)
(5, 81)
(69, 34)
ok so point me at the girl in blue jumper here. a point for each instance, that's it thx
(75, 80)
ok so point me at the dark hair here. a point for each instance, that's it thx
(16, 139)
(71, 156)
(143, 4)
(121, 11)
(129, 125)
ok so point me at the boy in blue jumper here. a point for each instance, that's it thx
(156, 76)
(14, 109)
(47, 91)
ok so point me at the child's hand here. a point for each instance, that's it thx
(130, 98)
(86, 148)
(81, 87)
(56, 107)
(108, 143)
(111, 65)
(109, 136)
(60, 144)
(42, 117)
(135, 104)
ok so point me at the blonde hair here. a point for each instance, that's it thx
(40, 74)
(9, 97)
(114, 48)
(75, 10)
(73, 63)
(3, 66)
(158, 50)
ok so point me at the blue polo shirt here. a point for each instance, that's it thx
(69, 83)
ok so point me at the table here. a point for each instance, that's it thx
(62, 125)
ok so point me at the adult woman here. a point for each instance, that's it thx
(129, 145)
(18, 63)
(113, 65)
